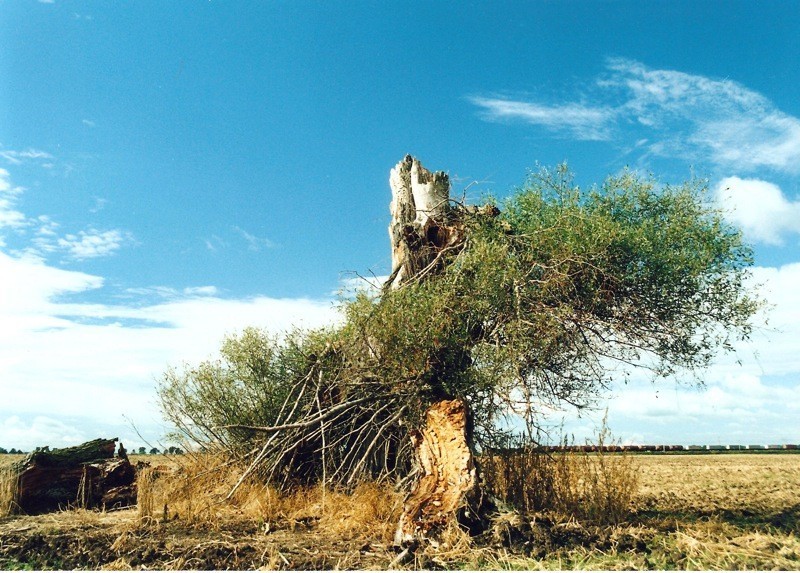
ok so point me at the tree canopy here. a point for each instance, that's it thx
(546, 298)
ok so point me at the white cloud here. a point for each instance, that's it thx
(40, 431)
(759, 208)
(370, 285)
(86, 244)
(93, 243)
(55, 354)
(737, 409)
(685, 115)
(201, 291)
(10, 217)
(66, 360)
(583, 122)
(725, 121)
(749, 397)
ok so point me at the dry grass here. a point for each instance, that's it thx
(195, 492)
(595, 487)
(8, 459)
(706, 484)
(736, 511)
(8, 490)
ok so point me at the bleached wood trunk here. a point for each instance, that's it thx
(423, 228)
(421, 220)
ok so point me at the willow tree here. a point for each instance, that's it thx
(540, 300)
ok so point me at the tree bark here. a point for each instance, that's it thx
(423, 228)
(447, 479)
(87, 476)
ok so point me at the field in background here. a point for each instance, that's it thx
(730, 511)
(8, 459)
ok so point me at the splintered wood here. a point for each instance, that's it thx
(87, 475)
(421, 228)
(447, 472)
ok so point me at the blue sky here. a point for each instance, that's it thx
(171, 172)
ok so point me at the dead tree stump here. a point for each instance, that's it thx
(424, 229)
(447, 473)
(423, 226)
(87, 476)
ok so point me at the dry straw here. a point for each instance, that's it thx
(8, 490)
(597, 487)
(195, 490)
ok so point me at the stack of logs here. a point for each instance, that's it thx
(87, 476)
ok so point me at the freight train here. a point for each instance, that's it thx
(669, 448)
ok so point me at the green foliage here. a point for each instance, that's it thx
(566, 289)
(246, 386)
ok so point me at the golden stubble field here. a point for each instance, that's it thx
(701, 511)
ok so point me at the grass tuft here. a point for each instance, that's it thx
(8, 490)
(595, 487)
(196, 490)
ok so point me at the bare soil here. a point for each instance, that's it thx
(720, 511)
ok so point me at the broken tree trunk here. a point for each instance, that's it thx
(87, 476)
(447, 482)
(423, 226)
(423, 230)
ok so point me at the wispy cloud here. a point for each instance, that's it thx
(728, 123)
(89, 243)
(18, 157)
(759, 208)
(99, 204)
(254, 243)
(10, 217)
(215, 243)
(581, 121)
(682, 115)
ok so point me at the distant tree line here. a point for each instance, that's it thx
(174, 450)
(154, 451)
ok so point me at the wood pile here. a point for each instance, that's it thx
(88, 476)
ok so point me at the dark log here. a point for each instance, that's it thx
(87, 476)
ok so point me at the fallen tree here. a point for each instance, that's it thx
(88, 476)
(492, 311)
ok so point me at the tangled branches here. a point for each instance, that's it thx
(296, 410)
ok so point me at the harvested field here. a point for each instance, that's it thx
(729, 511)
